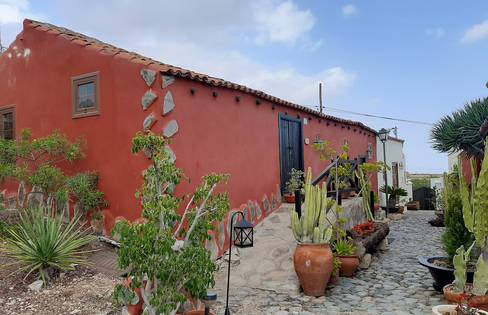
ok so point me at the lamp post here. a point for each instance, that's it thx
(244, 238)
(383, 135)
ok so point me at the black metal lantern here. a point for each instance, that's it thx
(243, 234)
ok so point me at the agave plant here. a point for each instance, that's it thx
(460, 131)
(42, 242)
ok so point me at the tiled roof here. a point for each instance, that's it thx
(105, 48)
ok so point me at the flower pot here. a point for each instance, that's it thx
(442, 275)
(313, 265)
(480, 302)
(290, 198)
(449, 310)
(349, 265)
(135, 309)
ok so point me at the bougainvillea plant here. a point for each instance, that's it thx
(165, 252)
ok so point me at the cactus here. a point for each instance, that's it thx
(480, 283)
(475, 214)
(311, 227)
(460, 262)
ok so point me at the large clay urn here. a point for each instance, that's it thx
(313, 265)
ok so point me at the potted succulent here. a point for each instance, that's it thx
(345, 251)
(393, 194)
(294, 184)
(313, 259)
(336, 267)
(164, 251)
(456, 310)
(455, 235)
(475, 205)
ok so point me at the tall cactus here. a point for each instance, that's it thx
(475, 214)
(311, 226)
(460, 262)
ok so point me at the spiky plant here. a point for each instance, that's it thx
(460, 131)
(43, 242)
(311, 226)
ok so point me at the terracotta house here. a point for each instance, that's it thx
(54, 78)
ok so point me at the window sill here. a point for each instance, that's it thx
(85, 114)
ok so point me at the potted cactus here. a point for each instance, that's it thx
(294, 184)
(313, 259)
(475, 214)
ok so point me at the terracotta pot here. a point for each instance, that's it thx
(290, 198)
(349, 265)
(480, 302)
(135, 309)
(313, 265)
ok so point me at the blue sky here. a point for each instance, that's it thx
(415, 60)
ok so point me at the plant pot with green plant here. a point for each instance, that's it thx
(345, 251)
(334, 277)
(165, 252)
(475, 215)
(393, 196)
(455, 235)
(313, 259)
(294, 184)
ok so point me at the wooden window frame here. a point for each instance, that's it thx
(8, 110)
(93, 77)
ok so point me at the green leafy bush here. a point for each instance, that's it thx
(456, 234)
(296, 181)
(166, 252)
(42, 243)
(37, 163)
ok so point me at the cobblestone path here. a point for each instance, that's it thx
(264, 282)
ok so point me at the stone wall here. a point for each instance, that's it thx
(353, 212)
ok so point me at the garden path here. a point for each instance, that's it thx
(264, 282)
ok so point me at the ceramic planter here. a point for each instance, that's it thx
(480, 302)
(135, 309)
(449, 310)
(442, 275)
(349, 265)
(290, 198)
(313, 265)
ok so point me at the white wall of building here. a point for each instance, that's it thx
(394, 154)
(452, 159)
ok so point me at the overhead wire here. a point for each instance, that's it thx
(327, 108)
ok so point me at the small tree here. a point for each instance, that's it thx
(38, 163)
(166, 253)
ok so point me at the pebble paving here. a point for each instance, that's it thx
(394, 284)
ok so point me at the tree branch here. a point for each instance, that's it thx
(200, 209)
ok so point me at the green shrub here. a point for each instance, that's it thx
(41, 243)
(456, 233)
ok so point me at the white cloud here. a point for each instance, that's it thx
(476, 32)
(214, 37)
(436, 32)
(349, 10)
(282, 23)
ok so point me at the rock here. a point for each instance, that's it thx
(365, 262)
(383, 245)
(36, 285)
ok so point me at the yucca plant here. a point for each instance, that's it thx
(460, 131)
(42, 243)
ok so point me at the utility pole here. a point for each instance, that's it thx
(321, 106)
(2, 48)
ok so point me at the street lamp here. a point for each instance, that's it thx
(244, 238)
(383, 135)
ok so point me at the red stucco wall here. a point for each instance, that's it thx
(216, 134)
